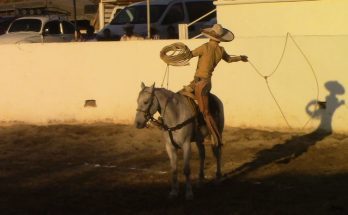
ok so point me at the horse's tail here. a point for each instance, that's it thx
(217, 111)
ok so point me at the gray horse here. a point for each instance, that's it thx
(179, 122)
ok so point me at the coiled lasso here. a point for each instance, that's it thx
(176, 54)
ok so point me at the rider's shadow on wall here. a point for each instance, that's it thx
(326, 109)
(297, 145)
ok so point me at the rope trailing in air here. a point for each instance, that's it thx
(271, 93)
(178, 54)
(266, 77)
(166, 74)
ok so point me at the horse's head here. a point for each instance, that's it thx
(147, 105)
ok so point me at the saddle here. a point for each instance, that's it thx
(199, 122)
(188, 92)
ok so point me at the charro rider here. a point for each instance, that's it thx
(210, 54)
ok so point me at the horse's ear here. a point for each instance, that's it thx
(142, 85)
(152, 87)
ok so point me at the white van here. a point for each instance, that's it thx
(165, 17)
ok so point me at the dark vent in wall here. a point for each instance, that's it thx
(90, 103)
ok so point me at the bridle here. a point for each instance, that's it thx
(147, 112)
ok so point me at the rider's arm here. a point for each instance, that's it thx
(229, 59)
(197, 52)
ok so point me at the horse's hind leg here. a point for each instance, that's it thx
(187, 170)
(217, 154)
(172, 154)
(201, 151)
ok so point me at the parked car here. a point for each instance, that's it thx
(115, 11)
(39, 29)
(5, 21)
(165, 15)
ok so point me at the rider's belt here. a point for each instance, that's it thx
(198, 79)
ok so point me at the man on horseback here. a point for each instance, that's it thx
(210, 54)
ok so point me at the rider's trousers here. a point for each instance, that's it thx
(202, 89)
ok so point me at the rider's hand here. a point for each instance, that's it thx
(244, 58)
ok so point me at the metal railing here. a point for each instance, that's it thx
(183, 28)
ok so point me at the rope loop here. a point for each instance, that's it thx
(176, 54)
(288, 35)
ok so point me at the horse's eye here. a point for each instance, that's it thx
(146, 102)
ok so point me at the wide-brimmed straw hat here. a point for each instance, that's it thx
(218, 33)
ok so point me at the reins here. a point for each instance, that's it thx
(160, 123)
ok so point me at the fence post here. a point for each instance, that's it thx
(183, 31)
(101, 15)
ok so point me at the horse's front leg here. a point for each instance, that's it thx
(187, 170)
(173, 158)
(217, 154)
(201, 151)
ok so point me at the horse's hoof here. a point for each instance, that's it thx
(218, 175)
(201, 182)
(173, 195)
(189, 196)
(217, 182)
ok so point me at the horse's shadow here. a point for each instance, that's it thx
(297, 145)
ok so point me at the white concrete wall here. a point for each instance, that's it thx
(318, 26)
(305, 17)
(50, 82)
(42, 83)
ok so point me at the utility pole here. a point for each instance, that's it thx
(75, 19)
(148, 18)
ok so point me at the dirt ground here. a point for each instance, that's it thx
(117, 169)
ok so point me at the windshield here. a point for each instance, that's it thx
(25, 25)
(137, 14)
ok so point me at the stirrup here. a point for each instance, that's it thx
(210, 140)
(216, 142)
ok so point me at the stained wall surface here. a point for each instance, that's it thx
(49, 83)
